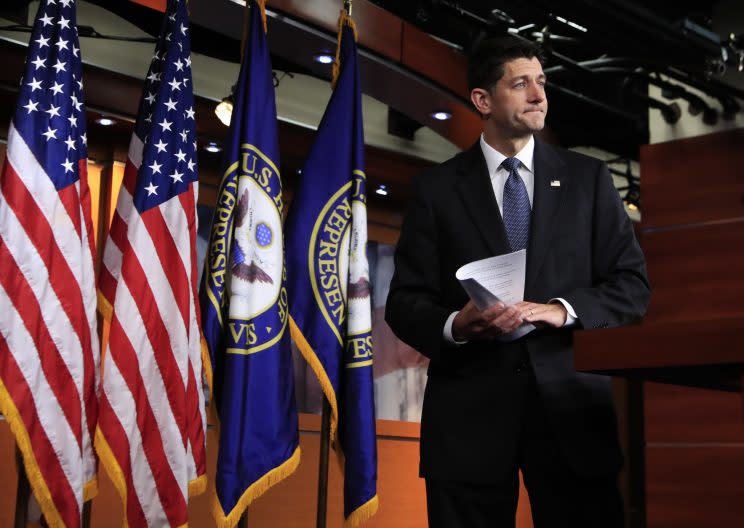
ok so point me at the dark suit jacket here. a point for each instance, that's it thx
(582, 248)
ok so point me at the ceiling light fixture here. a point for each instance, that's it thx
(105, 121)
(441, 115)
(212, 146)
(570, 23)
(224, 110)
(382, 190)
(324, 58)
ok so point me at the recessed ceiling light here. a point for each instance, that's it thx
(382, 190)
(441, 115)
(212, 146)
(324, 58)
(105, 121)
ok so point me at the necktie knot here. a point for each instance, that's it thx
(510, 164)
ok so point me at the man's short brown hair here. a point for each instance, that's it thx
(486, 64)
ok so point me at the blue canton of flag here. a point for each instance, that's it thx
(166, 122)
(51, 118)
(329, 290)
(244, 298)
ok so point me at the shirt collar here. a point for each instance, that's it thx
(494, 158)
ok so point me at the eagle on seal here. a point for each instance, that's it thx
(248, 272)
(359, 289)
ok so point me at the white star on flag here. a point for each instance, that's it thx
(31, 106)
(34, 84)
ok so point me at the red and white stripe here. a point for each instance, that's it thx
(49, 354)
(152, 405)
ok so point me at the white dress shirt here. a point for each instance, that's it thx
(498, 175)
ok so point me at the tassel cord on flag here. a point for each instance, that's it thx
(344, 19)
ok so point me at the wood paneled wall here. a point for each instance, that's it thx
(692, 234)
(693, 237)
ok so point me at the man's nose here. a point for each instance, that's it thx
(536, 93)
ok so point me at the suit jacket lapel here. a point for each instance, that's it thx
(546, 203)
(476, 191)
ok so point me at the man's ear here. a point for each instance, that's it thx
(481, 100)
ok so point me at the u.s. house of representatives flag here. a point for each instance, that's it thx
(244, 298)
(48, 340)
(151, 433)
(329, 293)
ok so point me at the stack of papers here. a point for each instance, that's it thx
(497, 279)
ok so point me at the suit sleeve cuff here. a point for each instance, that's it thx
(571, 316)
(447, 332)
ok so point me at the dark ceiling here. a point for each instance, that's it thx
(604, 52)
(603, 55)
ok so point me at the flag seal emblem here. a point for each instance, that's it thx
(339, 273)
(258, 278)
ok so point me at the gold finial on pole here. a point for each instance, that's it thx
(344, 19)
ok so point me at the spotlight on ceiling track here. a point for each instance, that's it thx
(502, 16)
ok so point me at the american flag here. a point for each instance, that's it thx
(151, 436)
(48, 342)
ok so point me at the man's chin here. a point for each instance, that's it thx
(535, 124)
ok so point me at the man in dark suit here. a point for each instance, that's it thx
(493, 404)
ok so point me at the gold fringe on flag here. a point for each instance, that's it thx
(33, 472)
(362, 513)
(344, 19)
(254, 491)
(262, 6)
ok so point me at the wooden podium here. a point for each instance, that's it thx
(692, 233)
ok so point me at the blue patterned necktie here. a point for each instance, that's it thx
(516, 207)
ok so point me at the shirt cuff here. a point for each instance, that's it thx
(447, 333)
(571, 316)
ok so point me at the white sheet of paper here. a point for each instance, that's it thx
(499, 278)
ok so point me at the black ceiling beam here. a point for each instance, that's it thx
(669, 91)
(724, 93)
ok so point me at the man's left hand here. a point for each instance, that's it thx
(553, 314)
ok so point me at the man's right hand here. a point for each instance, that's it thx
(471, 323)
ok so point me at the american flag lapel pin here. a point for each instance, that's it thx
(555, 183)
